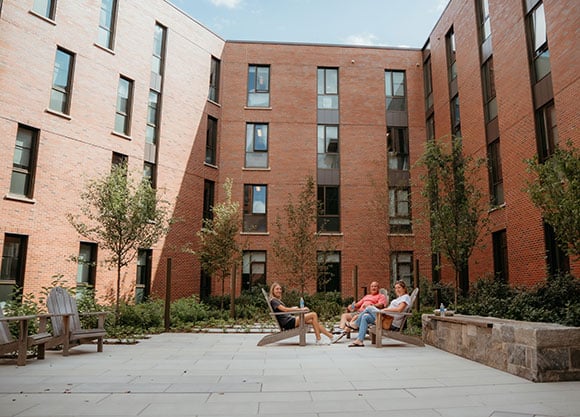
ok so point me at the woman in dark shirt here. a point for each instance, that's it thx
(289, 321)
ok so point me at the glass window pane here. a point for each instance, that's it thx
(19, 183)
(259, 201)
(43, 7)
(57, 101)
(61, 69)
(261, 138)
(263, 79)
(539, 30)
(331, 81)
(399, 84)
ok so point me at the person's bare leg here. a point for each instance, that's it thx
(312, 318)
(345, 318)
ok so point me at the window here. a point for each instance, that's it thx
(328, 149)
(124, 106)
(259, 86)
(395, 90)
(490, 102)
(539, 42)
(255, 213)
(211, 141)
(398, 148)
(24, 162)
(119, 159)
(13, 263)
(402, 268)
(208, 199)
(428, 83)
(500, 256)
(152, 132)
(556, 259)
(547, 131)
(87, 267)
(107, 22)
(149, 173)
(329, 203)
(399, 210)
(143, 283)
(328, 88)
(45, 8)
(431, 128)
(256, 145)
(329, 276)
(495, 174)
(253, 269)
(484, 20)
(158, 58)
(214, 80)
(450, 46)
(62, 81)
(455, 117)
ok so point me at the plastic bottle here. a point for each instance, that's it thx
(301, 303)
(442, 310)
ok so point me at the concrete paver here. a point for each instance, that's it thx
(219, 374)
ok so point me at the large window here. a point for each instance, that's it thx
(24, 162)
(490, 102)
(119, 159)
(124, 106)
(208, 199)
(256, 145)
(402, 268)
(329, 214)
(143, 281)
(107, 22)
(495, 173)
(151, 131)
(428, 83)
(259, 86)
(557, 261)
(87, 267)
(539, 42)
(253, 269)
(150, 173)
(395, 90)
(214, 80)
(329, 276)
(455, 116)
(547, 131)
(255, 208)
(211, 141)
(328, 149)
(484, 20)
(156, 83)
(450, 47)
(45, 8)
(328, 88)
(60, 95)
(13, 263)
(399, 210)
(398, 148)
(500, 256)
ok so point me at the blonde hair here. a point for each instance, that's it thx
(272, 289)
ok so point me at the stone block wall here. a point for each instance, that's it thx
(540, 352)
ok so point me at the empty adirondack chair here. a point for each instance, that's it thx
(377, 332)
(282, 334)
(9, 344)
(59, 301)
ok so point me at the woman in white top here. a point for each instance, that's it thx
(398, 305)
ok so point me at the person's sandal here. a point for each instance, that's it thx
(356, 345)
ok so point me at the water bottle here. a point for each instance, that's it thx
(301, 303)
(442, 310)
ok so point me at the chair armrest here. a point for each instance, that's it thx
(100, 317)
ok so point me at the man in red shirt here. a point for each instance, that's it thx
(374, 298)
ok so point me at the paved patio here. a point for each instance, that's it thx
(228, 375)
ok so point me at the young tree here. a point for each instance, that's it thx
(296, 242)
(556, 192)
(219, 249)
(457, 213)
(121, 216)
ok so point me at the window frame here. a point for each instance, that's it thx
(546, 131)
(109, 27)
(251, 279)
(396, 265)
(329, 263)
(16, 274)
(500, 256)
(143, 275)
(327, 92)
(208, 199)
(260, 153)
(496, 191)
(50, 9)
(398, 148)
(400, 222)
(489, 92)
(539, 53)
(255, 221)
(393, 95)
(86, 268)
(451, 51)
(325, 200)
(258, 92)
(214, 79)
(124, 115)
(483, 20)
(29, 171)
(211, 139)
(62, 94)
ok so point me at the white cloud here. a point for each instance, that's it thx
(230, 4)
(362, 39)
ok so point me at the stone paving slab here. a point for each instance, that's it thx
(223, 374)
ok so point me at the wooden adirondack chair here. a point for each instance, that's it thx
(9, 344)
(377, 332)
(60, 302)
(300, 331)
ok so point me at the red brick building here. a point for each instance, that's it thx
(85, 87)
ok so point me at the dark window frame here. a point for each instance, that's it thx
(399, 220)
(108, 26)
(398, 148)
(259, 149)
(326, 89)
(255, 221)
(451, 50)
(62, 94)
(496, 191)
(328, 197)
(395, 101)
(211, 139)
(258, 90)
(29, 170)
(214, 80)
(124, 110)
(49, 12)
(208, 199)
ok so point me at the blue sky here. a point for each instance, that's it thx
(405, 23)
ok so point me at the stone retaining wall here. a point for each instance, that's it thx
(540, 352)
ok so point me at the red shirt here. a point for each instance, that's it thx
(371, 299)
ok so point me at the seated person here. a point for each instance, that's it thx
(375, 298)
(290, 321)
(367, 317)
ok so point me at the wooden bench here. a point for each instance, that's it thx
(42, 339)
(283, 334)
(59, 303)
(377, 332)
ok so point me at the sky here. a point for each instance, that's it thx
(398, 23)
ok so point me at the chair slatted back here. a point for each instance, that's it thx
(5, 335)
(408, 309)
(386, 294)
(272, 312)
(59, 301)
